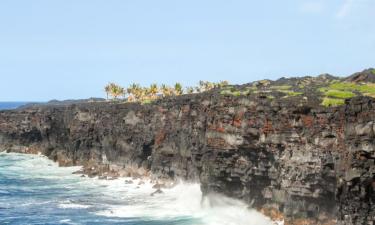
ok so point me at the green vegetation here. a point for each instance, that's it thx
(334, 92)
(327, 102)
(291, 93)
(282, 87)
(233, 92)
(339, 94)
(146, 95)
(286, 90)
(178, 89)
(343, 86)
(373, 71)
(114, 90)
(367, 89)
(337, 91)
(347, 86)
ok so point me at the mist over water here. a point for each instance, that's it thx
(34, 190)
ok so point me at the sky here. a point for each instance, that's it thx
(70, 49)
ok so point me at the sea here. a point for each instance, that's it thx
(11, 105)
(35, 190)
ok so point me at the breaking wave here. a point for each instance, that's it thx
(35, 190)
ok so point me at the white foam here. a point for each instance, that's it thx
(37, 166)
(73, 206)
(131, 200)
(185, 200)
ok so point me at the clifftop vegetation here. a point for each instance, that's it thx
(137, 93)
(325, 89)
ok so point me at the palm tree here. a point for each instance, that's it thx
(153, 90)
(178, 89)
(107, 89)
(166, 91)
(145, 93)
(134, 92)
(138, 92)
(116, 90)
(131, 90)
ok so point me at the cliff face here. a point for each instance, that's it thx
(309, 164)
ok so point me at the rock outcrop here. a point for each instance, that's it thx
(301, 161)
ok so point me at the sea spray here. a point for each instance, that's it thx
(35, 190)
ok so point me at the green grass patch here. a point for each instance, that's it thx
(339, 94)
(323, 89)
(345, 89)
(291, 93)
(328, 102)
(281, 87)
(344, 86)
(233, 92)
(367, 88)
(236, 93)
(347, 86)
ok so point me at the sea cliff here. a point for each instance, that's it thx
(273, 144)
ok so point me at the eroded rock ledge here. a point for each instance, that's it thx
(308, 164)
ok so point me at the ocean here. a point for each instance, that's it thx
(35, 190)
(11, 105)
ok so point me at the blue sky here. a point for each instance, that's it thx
(65, 49)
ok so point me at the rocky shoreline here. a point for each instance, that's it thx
(288, 157)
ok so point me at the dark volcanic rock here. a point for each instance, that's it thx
(311, 164)
(364, 76)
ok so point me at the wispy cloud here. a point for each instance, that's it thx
(345, 9)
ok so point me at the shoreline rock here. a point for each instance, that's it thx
(306, 163)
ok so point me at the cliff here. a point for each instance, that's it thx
(272, 144)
